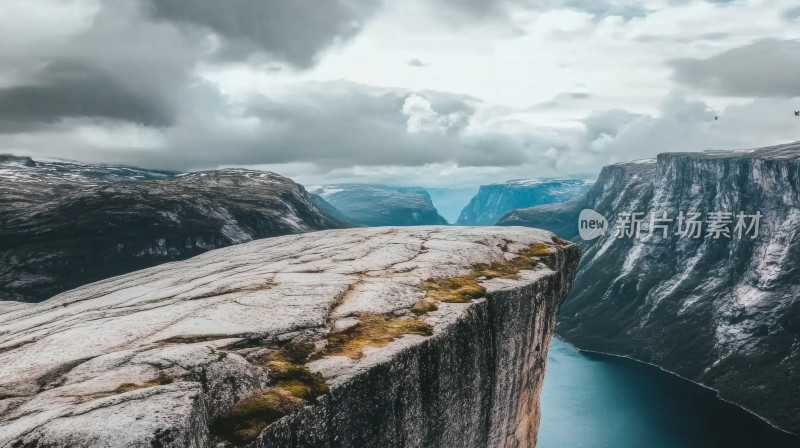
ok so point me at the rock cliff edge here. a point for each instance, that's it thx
(382, 337)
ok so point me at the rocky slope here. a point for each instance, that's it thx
(495, 200)
(380, 205)
(382, 337)
(724, 312)
(64, 224)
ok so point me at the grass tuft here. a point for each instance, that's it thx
(245, 421)
(373, 330)
(296, 386)
(466, 288)
(424, 306)
(453, 290)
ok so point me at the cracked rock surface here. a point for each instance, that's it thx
(156, 357)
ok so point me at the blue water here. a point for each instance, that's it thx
(600, 401)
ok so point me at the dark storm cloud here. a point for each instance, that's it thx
(333, 125)
(136, 60)
(339, 124)
(69, 90)
(120, 67)
(766, 68)
(295, 31)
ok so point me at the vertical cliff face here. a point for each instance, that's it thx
(494, 201)
(476, 383)
(723, 312)
(63, 225)
(424, 337)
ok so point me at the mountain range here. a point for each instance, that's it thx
(381, 205)
(65, 224)
(493, 201)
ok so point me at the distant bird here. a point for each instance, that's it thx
(716, 118)
(797, 113)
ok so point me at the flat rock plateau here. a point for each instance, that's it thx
(379, 337)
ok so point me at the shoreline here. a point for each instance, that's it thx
(716, 392)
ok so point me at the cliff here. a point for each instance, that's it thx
(380, 205)
(390, 337)
(494, 201)
(723, 312)
(63, 225)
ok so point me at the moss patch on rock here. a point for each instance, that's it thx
(465, 289)
(424, 306)
(245, 421)
(295, 386)
(373, 330)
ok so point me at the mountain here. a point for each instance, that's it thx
(495, 200)
(450, 201)
(331, 211)
(286, 342)
(724, 312)
(380, 205)
(64, 224)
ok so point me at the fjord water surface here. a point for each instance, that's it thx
(599, 401)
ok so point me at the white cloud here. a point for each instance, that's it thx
(422, 117)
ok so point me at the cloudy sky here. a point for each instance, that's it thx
(423, 92)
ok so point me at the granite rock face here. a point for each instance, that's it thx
(381, 205)
(493, 201)
(161, 356)
(724, 312)
(64, 224)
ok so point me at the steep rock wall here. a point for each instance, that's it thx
(723, 312)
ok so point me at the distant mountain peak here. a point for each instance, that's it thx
(381, 205)
(493, 201)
